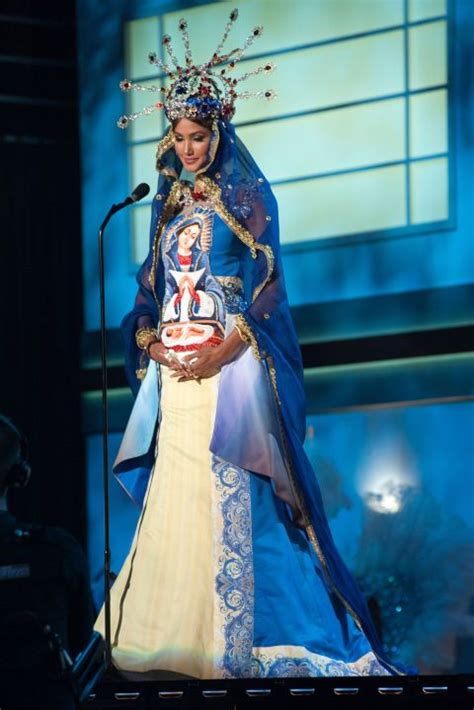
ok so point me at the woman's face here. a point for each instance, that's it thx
(188, 236)
(191, 142)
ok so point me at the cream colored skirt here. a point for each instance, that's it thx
(162, 601)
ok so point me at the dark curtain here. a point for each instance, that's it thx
(40, 281)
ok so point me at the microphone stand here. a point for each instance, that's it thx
(105, 427)
(139, 192)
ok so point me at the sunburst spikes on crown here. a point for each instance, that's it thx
(199, 91)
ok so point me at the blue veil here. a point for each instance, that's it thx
(248, 206)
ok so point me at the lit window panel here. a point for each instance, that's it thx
(429, 190)
(342, 204)
(141, 37)
(333, 74)
(351, 72)
(427, 55)
(423, 9)
(428, 123)
(145, 127)
(330, 141)
(285, 24)
(142, 165)
(140, 223)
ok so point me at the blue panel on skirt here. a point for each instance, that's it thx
(293, 606)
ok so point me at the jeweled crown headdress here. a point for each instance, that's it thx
(199, 91)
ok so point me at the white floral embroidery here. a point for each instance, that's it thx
(234, 580)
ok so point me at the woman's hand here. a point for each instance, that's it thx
(207, 362)
(200, 364)
(157, 352)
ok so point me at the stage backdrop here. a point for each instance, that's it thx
(369, 149)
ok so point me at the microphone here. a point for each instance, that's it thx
(138, 194)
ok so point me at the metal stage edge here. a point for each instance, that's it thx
(455, 692)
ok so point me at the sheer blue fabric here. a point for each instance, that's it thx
(248, 198)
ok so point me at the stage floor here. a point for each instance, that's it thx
(436, 692)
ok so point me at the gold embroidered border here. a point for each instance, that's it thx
(214, 192)
(246, 334)
(163, 146)
(170, 202)
(231, 281)
(272, 371)
(143, 337)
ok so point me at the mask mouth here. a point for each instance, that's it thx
(186, 334)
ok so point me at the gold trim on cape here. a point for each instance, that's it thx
(163, 147)
(213, 190)
(171, 201)
(231, 282)
(246, 334)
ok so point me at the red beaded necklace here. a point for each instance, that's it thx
(185, 260)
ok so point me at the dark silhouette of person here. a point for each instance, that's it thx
(46, 608)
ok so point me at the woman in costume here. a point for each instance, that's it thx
(232, 571)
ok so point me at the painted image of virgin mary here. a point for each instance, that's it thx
(194, 301)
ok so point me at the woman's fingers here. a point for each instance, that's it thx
(190, 364)
(196, 366)
(192, 356)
